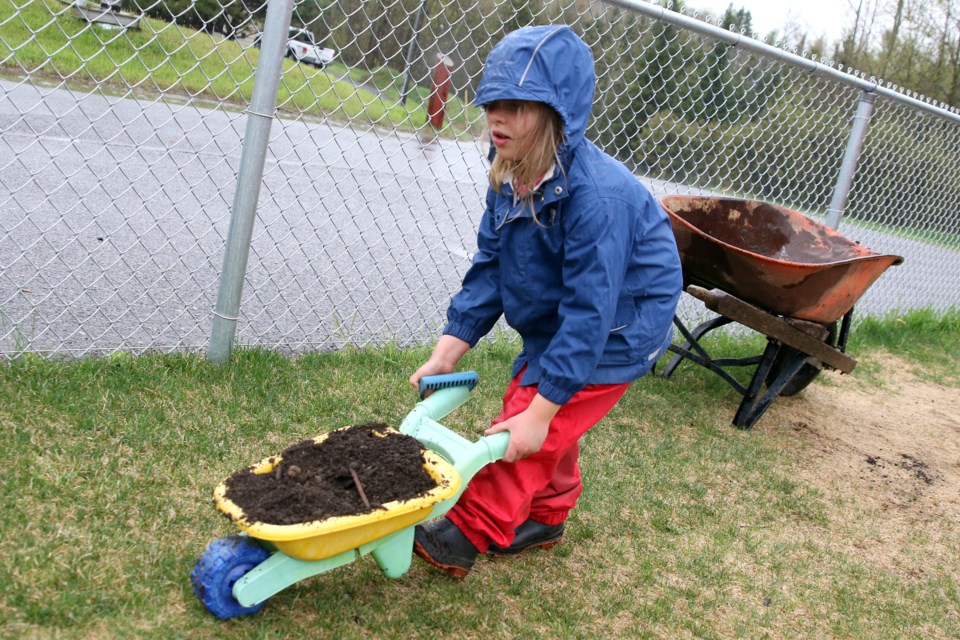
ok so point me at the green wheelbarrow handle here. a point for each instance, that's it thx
(450, 391)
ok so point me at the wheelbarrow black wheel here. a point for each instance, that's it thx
(807, 374)
(223, 563)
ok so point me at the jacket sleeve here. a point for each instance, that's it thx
(598, 244)
(478, 305)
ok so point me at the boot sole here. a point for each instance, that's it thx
(548, 544)
(457, 572)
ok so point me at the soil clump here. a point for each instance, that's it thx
(354, 471)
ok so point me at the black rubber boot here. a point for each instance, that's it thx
(443, 545)
(530, 535)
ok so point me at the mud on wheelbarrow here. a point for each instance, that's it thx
(779, 273)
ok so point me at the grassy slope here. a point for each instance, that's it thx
(45, 40)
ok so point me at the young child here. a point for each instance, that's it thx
(581, 261)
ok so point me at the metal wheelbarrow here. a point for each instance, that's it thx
(237, 574)
(776, 271)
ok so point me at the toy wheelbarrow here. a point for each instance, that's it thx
(236, 575)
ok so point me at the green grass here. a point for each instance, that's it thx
(687, 527)
(46, 40)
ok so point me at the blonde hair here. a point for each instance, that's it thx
(545, 137)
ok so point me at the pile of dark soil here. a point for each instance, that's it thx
(353, 471)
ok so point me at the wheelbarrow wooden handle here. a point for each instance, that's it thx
(772, 326)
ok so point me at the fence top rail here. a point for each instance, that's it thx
(761, 48)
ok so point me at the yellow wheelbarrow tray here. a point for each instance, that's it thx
(326, 538)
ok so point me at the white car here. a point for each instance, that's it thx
(302, 47)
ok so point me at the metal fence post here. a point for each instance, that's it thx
(260, 115)
(405, 89)
(858, 133)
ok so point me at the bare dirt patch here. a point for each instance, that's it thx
(888, 454)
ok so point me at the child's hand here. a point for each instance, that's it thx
(444, 358)
(527, 434)
(428, 368)
(528, 429)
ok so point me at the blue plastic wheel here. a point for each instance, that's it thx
(223, 563)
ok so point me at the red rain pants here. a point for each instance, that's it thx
(544, 486)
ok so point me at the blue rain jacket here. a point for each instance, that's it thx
(593, 286)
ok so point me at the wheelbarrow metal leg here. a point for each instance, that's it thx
(693, 341)
(753, 404)
(700, 356)
(844, 331)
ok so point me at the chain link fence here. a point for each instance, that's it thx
(122, 131)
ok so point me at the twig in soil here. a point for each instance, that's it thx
(356, 483)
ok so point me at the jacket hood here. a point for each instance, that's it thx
(548, 64)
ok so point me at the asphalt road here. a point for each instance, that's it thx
(114, 214)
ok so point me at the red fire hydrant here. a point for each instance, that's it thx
(441, 89)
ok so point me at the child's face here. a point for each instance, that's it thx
(510, 123)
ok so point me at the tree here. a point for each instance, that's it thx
(890, 38)
(210, 16)
(717, 90)
(856, 38)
